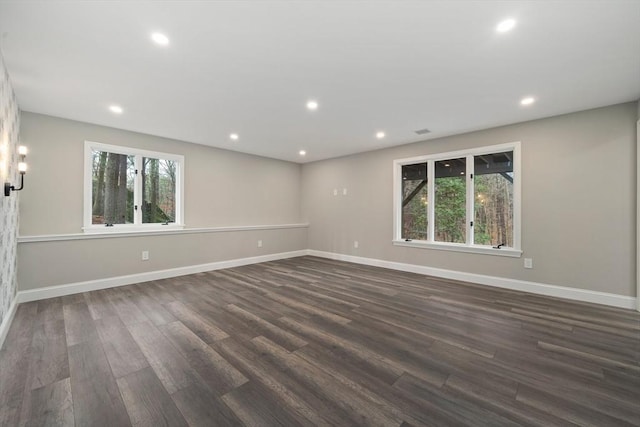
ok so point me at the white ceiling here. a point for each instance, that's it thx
(250, 66)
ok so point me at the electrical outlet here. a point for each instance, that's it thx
(259, 243)
(145, 255)
(344, 191)
(335, 191)
(528, 263)
(356, 244)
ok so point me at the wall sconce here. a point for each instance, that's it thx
(22, 169)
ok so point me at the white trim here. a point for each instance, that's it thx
(87, 182)
(460, 247)
(470, 200)
(131, 228)
(431, 201)
(130, 151)
(460, 153)
(112, 282)
(499, 282)
(8, 319)
(638, 212)
(165, 232)
(397, 207)
(517, 196)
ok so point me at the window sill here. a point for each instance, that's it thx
(132, 229)
(458, 247)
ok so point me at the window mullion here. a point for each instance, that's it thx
(517, 194)
(470, 201)
(88, 185)
(397, 208)
(137, 193)
(431, 191)
(179, 193)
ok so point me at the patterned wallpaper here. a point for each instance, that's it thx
(9, 136)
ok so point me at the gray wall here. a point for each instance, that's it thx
(578, 204)
(579, 198)
(9, 218)
(222, 188)
(43, 264)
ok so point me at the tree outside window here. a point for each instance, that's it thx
(131, 187)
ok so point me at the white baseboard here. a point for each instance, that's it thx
(8, 319)
(500, 282)
(112, 282)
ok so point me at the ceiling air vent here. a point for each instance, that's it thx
(423, 131)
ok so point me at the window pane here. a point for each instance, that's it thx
(450, 201)
(493, 224)
(158, 190)
(112, 188)
(414, 201)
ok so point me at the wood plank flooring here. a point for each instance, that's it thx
(309, 341)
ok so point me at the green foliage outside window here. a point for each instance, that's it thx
(450, 209)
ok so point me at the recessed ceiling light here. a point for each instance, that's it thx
(380, 135)
(303, 153)
(234, 136)
(116, 109)
(527, 101)
(160, 39)
(506, 25)
(312, 105)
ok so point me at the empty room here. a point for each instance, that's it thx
(319, 213)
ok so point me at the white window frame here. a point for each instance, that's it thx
(469, 246)
(88, 227)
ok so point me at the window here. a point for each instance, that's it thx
(130, 189)
(450, 204)
(414, 201)
(467, 201)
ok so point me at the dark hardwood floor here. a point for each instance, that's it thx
(309, 341)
